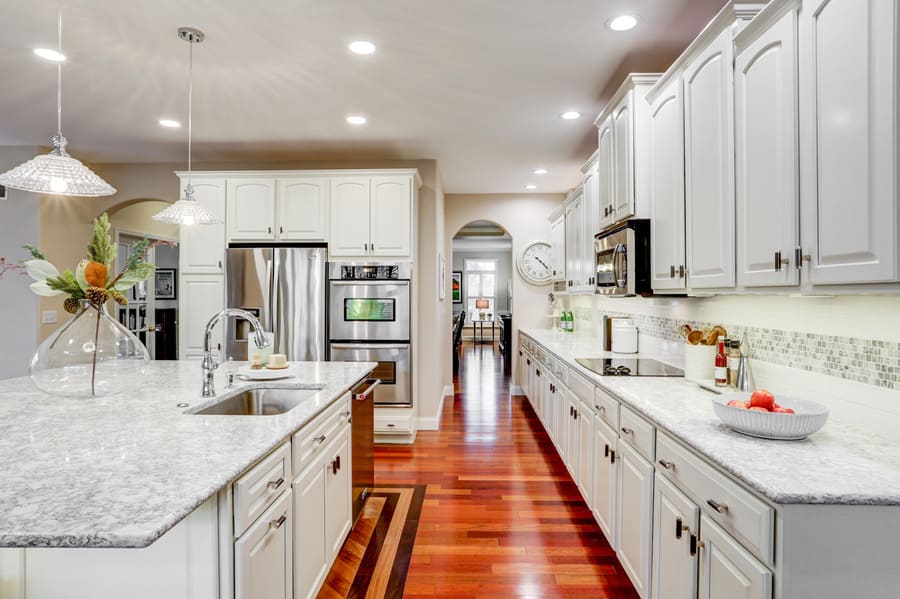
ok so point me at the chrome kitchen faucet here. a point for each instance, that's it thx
(208, 365)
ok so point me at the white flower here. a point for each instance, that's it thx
(40, 270)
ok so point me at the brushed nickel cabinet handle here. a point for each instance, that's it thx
(319, 440)
(627, 430)
(274, 484)
(667, 464)
(719, 507)
(281, 230)
(276, 524)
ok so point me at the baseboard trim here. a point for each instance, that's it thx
(516, 390)
(428, 423)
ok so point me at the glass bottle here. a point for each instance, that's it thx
(733, 352)
(721, 363)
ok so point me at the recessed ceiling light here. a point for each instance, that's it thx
(362, 47)
(171, 124)
(531, 186)
(51, 55)
(540, 171)
(356, 119)
(570, 115)
(622, 23)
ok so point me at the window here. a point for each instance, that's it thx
(481, 284)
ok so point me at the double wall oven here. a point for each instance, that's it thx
(369, 321)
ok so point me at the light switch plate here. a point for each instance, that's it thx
(48, 317)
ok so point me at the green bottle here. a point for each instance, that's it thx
(571, 324)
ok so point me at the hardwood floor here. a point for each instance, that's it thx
(501, 516)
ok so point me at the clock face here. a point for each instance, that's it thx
(534, 262)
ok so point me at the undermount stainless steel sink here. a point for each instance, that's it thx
(260, 401)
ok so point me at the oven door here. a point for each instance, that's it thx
(614, 273)
(368, 311)
(394, 368)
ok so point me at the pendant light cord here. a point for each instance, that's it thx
(190, 103)
(59, 70)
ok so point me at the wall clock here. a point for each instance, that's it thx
(534, 263)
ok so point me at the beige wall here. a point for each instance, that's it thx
(65, 233)
(525, 218)
(138, 218)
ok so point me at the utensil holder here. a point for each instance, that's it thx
(699, 362)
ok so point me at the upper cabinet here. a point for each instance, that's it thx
(202, 247)
(251, 208)
(301, 208)
(766, 154)
(709, 164)
(623, 130)
(667, 260)
(372, 216)
(558, 246)
(848, 140)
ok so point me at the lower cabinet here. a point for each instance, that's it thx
(202, 296)
(322, 496)
(571, 457)
(727, 569)
(585, 425)
(263, 566)
(605, 479)
(635, 515)
(675, 523)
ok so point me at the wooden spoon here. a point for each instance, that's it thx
(695, 337)
(685, 330)
(714, 334)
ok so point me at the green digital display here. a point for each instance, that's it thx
(368, 310)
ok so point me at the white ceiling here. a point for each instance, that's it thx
(475, 84)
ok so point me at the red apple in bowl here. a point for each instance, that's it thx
(762, 399)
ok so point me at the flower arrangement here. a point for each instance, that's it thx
(92, 280)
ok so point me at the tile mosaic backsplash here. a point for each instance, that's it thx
(863, 360)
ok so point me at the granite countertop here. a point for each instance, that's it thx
(839, 464)
(121, 471)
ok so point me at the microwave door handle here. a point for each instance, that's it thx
(619, 276)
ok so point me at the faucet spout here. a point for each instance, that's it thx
(209, 364)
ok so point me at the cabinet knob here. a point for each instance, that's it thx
(220, 265)
(281, 230)
(269, 229)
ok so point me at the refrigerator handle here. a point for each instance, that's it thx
(273, 292)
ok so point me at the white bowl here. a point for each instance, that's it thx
(808, 417)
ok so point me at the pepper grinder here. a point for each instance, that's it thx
(744, 381)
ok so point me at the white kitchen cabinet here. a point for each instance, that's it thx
(201, 248)
(623, 151)
(551, 406)
(311, 559)
(591, 185)
(263, 562)
(301, 208)
(605, 479)
(350, 215)
(338, 492)
(709, 164)
(766, 160)
(727, 569)
(562, 421)
(850, 212)
(675, 519)
(201, 297)
(667, 226)
(391, 216)
(606, 172)
(579, 253)
(251, 208)
(585, 424)
(558, 246)
(635, 516)
(572, 440)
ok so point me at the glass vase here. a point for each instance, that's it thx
(92, 355)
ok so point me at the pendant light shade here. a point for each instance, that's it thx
(57, 173)
(187, 210)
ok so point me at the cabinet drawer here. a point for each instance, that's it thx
(393, 423)
(561, 371)
(732, 507)
(308, 441)
(260, 486)
(607, 408)
(581, 387)
(637, 432)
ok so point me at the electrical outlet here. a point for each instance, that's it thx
(48, 317)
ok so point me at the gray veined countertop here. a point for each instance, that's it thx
(840, 464)
(121, 471)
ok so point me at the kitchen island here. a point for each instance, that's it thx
(122, 472)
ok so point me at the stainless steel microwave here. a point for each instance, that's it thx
(623, 259)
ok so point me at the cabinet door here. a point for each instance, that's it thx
(348, 221)
(302, 208)
(585, 422)
(391, 217)
(848, 107)
(263, 564)
(311, 559)
(623, 144)
(251, 208)
(551, 395)
(558, 243)
(635, 515)
(606, 173)
(667, 189)
(562, 421)
(574, 227)
(675, 518)
(709, 165)
(572, 453)
(202, 247)
(200, 298)
(605, 480)
(727, 569)
(338, 492)
(591, 203)
(766, 160)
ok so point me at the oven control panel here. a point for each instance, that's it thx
(380, 271)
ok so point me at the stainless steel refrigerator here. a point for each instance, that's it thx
(285, 287)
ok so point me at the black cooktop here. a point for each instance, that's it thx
(629, 367)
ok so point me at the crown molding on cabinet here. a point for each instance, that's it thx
(628, 84)
(413, 172)
(763, 21)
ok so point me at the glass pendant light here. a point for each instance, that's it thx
(57, 173)
(187, 210)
